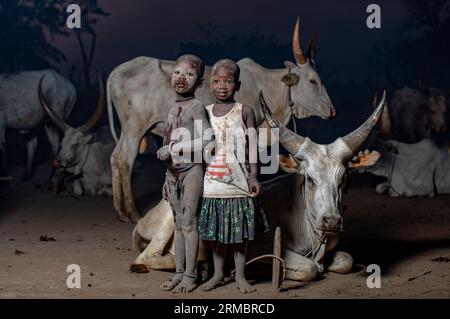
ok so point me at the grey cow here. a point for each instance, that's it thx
(141, 93)
(85, 159)
(417, 114)
(20, 108)
(306, 204)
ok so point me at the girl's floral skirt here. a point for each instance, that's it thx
(230, 220)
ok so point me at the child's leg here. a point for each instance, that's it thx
(178, 240)
(191, 192)
(240, 254)
(219, 251)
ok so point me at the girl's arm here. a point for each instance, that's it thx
(252, 147)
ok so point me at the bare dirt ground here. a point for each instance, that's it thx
(402, 236)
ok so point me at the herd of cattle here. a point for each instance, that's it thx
(309, 196)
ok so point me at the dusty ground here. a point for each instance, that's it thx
(403, 236)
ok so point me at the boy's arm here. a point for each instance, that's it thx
(163, 152)
(250, 122)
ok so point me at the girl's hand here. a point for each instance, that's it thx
(254, 186)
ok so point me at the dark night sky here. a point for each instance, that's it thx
(156, 28)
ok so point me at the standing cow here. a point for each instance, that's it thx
(306, 204)
(86, 160)
(20, 108)
(141, 92)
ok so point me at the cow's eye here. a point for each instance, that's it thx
(313, 81)
(311, 182)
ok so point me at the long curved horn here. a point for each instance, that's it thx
(98, 110)
(296, 44)
(288, 139)
(313, 48)
(51, 114)
(356, 139)
(385, 122)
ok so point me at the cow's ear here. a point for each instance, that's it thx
(290, 79)
(288, 164)
(365, 159)
(289, 64)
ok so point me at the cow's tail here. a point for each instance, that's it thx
(110, 110)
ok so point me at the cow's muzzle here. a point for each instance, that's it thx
(330, 223)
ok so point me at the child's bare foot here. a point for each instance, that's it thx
(186, 285)
(215, 281)
(172, 282)
(244, 286)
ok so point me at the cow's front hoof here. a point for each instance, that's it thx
(342, 263)
(305, 273)
(134, 218)
(123, 219)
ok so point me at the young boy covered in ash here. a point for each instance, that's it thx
(182, 149)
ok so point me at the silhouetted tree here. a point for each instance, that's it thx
(24, 28)
(89, 12)
(28, 27)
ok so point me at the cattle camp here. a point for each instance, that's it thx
(218, 156)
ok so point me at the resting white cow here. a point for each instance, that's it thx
(20, 108)
(141, 92)
(86, 160)
(420, 169)
(306, 205)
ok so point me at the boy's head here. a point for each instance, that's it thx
(225, 80)
(188, 74)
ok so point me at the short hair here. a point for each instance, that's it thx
(195, 61)
(229, 64)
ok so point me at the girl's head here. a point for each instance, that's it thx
(225, 80)
(188, 74)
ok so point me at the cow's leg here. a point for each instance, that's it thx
(153, 255)
(126, 159)
(298, 267)
(342, 263)
(77, 187)
(117, 183)
(31, 151)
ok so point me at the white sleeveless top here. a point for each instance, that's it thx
(227, 174)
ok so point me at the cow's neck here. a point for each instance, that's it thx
(303, 232)
(269, 81)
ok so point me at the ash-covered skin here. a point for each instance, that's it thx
(183, 186)
(224, 84)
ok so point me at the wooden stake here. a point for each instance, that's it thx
(276, 265)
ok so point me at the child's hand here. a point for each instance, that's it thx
(254, 186)
(163, 153)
